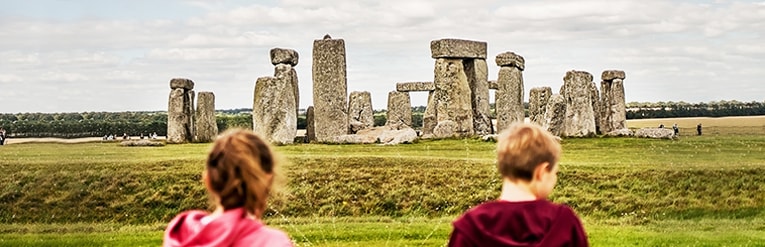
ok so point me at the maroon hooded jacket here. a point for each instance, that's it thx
(519, 224)
(233, 228)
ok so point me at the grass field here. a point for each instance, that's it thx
(695, 191)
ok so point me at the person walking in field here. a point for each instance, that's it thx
(676, 129)
(238, 175)
(527, 159)
(698, 129)
(2, 136)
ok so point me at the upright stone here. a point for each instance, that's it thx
(596, 105)
(478, 76)
(509, 94)
(329, 89)
(206, 126)
(613, 105)
(177, 120)
(538, 98)
(555, 115)
(429, 119)
(273, 113)
(310, 132)
(360, 113)
(580, 117)
(180, 113)
(453, 107)
(399, 110)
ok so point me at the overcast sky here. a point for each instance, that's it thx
(75, 56)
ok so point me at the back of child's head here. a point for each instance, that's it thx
(239, 170)
(522, 147)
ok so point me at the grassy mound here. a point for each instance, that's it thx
(630, 180)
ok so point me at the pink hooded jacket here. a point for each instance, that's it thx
(232, 228)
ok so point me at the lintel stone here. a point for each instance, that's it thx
(457, 48)
(415, 86)
(181, 83)
(609, 75)
(285, 56)
(510, 59)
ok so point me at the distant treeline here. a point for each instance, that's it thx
(638, 110)
(90, 124)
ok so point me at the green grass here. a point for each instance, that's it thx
(696, 191)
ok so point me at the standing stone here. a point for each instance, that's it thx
(273, 113)
(509, 94)
(478, 75)
(399, 110)
(329, 89)
(310, 132)
(538, 98)
(206, 126)
(580, 117)
(429, 119)
(555, 115)
(360, 113)
(613, 105)
(177, 120)
(180, 113)
(596, 105)
(453, 107)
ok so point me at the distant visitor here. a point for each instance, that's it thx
(698, 129)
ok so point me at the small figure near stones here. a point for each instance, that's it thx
(676, 129)
(238, 174)
(2, 136)
(698, 129)
(527, 158)
(661, 126)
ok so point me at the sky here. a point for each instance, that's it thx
(94, 55)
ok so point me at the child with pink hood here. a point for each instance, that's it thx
(238, 175)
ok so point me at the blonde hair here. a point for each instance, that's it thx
(523, 147)
(238, 169)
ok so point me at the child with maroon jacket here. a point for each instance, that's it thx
(527, 158)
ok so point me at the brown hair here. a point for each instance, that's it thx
(237, 171)
(523, 147)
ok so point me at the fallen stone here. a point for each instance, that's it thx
(490, 138)
(620, 132)
(656, 133)
(398, 136)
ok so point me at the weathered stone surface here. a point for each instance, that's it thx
(286, 74)
(310, 132)
(177, 119)
(181, 83)
(596, 105)
(329, 89)
(273, 113)
(206, 126)
(580, 117)
(457, 48)
(285, 56)
(399, 113)
(360, 114)
(509, 97)
(189, 111)
(538, 98)
(613, 111)
(478, 75)
(656, 133)
(511, 59)
(398, 136)
(620, 132)
(555, 115)
(415, 86)
(446, 129)
(493, 84)
(452, 97)
(608, 75)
